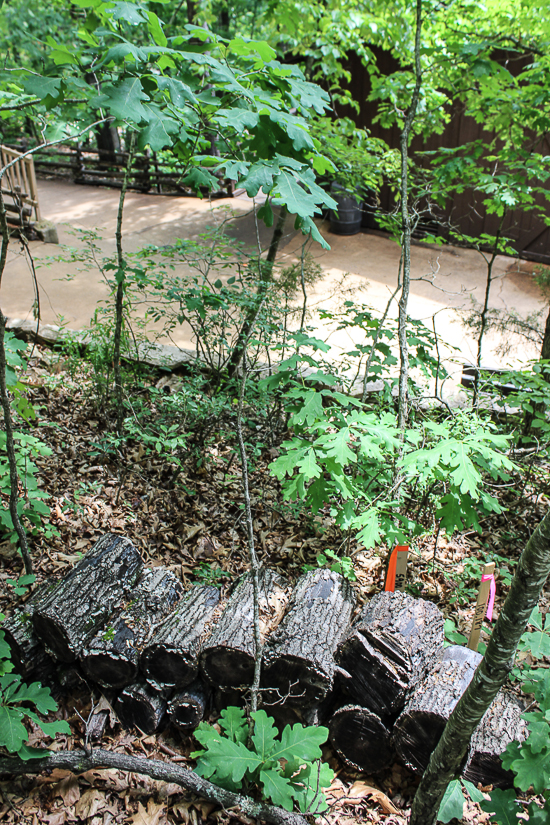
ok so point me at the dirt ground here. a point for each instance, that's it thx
(443, 278)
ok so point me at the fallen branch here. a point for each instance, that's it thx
(80, 761)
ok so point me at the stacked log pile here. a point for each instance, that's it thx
(383, 683)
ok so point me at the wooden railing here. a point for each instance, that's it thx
(19, 185)
(83, 164)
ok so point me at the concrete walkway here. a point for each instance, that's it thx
(443, 279)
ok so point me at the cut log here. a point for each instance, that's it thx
(74, 609)
(299, 657)
(27, 652)
(227, 657)
(112, 657)
(172, 655)
(419, 728)
(361, 739)
(501, 725)
(187, 707)
(139, 706)
(393, 645)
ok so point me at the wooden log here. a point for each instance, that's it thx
(299, 657)
(227, 657)
(393, 645)
(139, 706)
(419, 728)
(187, 707)
(172, 655)
(361, 739)
(501, 725)
(27, 652)
(112, 657)
(74, 609)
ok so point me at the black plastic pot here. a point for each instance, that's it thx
(347, 218)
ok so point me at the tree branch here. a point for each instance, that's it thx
(79, 762)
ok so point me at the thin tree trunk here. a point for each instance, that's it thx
(545, 356)
(121, 278)
(406, 228)
(446, 760)
(485, 310)
(6, 407)
(266, 269)
(81, 761)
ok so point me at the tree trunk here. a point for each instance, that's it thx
(419, 728)
(531, 573)
(227, 658)
(73, 610)
(392, 646)
(111, 658)
(139, 706)
(172, 656)
(79, 762)
(361, 739)
(501, 725)
(299, 657)
(187, 707)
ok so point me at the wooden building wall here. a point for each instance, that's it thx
(528, 232)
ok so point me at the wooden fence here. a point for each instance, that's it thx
(83, 164)
(529, 233)
(19, 185)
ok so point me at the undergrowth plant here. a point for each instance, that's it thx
(20, 702)
(286, 771)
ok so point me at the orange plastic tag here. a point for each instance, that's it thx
(397, 568)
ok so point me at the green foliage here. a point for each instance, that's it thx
(21, 584)
(19, 701)
(339, 564)
(452, 804)
(528, 760)
(466, 580)
(31, 506)
(215, 576)
(287, 770)
(452, 635)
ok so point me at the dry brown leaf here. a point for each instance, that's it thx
(90, 803)
(359, 790)
(68, 789)
(56, 819)
(152, 816)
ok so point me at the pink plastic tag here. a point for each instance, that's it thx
(492, 594)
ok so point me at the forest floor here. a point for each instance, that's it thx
(196, 528)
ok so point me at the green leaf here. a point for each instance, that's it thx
(36, 694)
(12, 731)
(234, 724)
(277, 788)
(124, 101)
(290, 193)
(129, 12)
(474, 794)
(156, 29)
(230, 760)
(452, 804)
(532, 769)
(264, 734)
(308, 466)
(502, 806)
(238, 119)
(300, 742)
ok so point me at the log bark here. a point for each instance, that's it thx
(227, 658)
(419, 728)
(72, 611)
(79, 762)
(361, 739)
(172, 655)
(187, 707)
(299, 656)
(501, 725)
(27, 652)
(112, 657)
(139, 706)
(531, 573)
(393, 645)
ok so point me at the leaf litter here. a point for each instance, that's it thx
(200, 519)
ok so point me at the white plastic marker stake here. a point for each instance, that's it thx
(486, 591)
